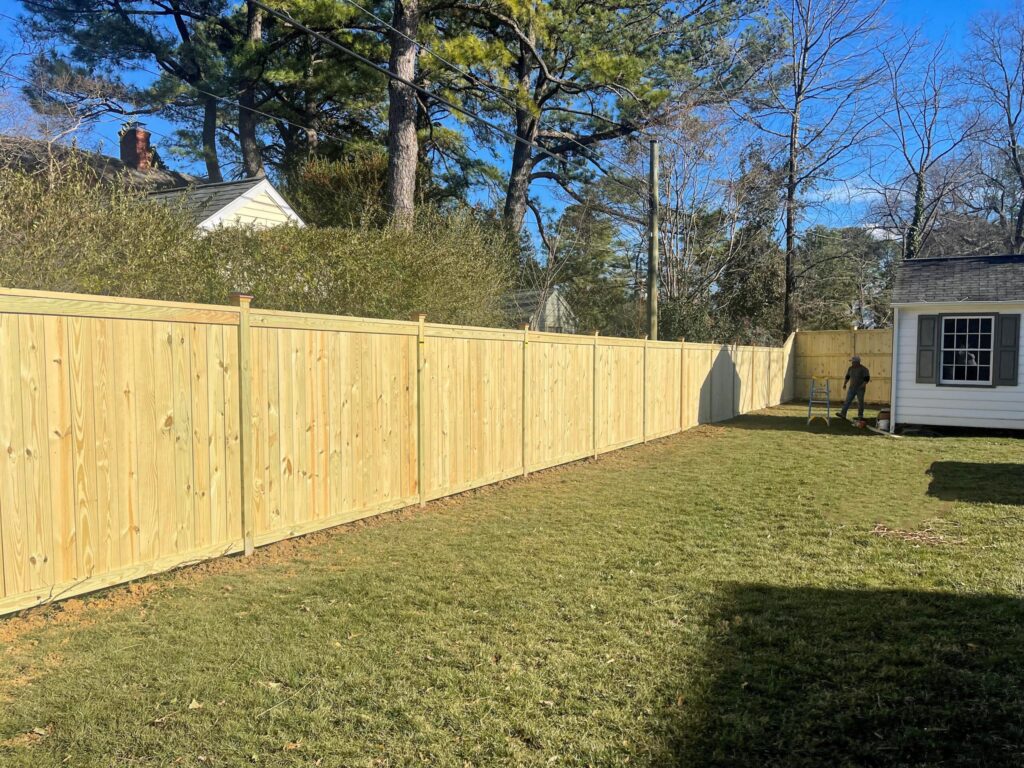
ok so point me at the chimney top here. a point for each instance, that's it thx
(135, 150)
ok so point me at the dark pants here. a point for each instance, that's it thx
(850, 394)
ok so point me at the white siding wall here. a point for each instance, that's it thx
(953, 406)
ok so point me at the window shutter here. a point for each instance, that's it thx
(1007, 351)
(927, 348)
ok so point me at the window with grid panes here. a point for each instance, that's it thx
(967, 350)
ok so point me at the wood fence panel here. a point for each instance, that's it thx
(112, 466)
(474, 404)
(560, 388)
(699, 362)
(662, 388)
(620, 384)
(332, 429)
(826, 354)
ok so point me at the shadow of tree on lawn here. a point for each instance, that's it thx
(807, 677)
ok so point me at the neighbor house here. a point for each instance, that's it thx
(543, 309)
(956, 342)
(252, 201)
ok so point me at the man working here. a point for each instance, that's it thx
(857, 377)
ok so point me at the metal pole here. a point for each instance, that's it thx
(652, 253)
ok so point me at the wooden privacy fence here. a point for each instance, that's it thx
(827, 354)
(138, 435)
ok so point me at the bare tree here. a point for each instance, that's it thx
(995, 74)
(924, 133)
(817, 103)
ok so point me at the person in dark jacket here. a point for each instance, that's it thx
(855, 383)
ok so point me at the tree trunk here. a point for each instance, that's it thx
(792, 182)
(523, 159)
(252, 157)
(213, 172)
(403, 145)
(916, 228)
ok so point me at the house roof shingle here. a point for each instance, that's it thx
(204, 200)
(960, 278)
(35, 154)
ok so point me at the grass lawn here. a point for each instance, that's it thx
(718, 598)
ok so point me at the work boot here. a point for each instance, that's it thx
(841, 415)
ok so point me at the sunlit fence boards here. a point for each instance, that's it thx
(826, 354)
(136, 436)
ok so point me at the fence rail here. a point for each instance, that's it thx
(138, 436)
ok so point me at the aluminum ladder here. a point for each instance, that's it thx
(820, 396)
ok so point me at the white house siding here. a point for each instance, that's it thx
(261, 210)
(952, 406)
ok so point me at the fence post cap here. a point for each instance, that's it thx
(682, 339)
(240, 299)
(419, 317)
(524, 327)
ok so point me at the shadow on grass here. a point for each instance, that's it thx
(797, 423)
(808, 677)
(977, 482)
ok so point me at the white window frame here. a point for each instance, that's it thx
(943, 349)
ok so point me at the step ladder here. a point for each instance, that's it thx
(820, 396)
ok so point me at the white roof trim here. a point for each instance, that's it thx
(219, 217)
(953, 302)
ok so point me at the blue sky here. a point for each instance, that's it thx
(936, 17)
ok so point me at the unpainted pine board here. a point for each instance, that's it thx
(184, 473)
(273, 488)
(260, 461)
(164, 438)
(321, 426)
(126, 470)
(60, 449)
(346, 380)
(407, 350)
(219, 511)
(83, 414)
(107, 535)
(148, 427)
(201, 430)
(286, 421)
(37, 458)
(233, 450)
(336, 395)
(13, 508)
(300, 375)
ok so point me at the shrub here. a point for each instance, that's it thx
(60, 230)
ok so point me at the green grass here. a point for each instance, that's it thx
(713, 599)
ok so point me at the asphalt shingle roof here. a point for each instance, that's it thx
(204, 200)
(960, 278)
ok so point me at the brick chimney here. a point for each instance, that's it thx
(135, 149)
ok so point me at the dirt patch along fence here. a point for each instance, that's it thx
(827, 354)
(138, 436)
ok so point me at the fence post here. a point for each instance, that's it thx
(421, 412)
(682, 383)
(645, 388)
(242, 301)
(593, 399)
(526, 401)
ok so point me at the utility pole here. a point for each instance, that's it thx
(652, 252)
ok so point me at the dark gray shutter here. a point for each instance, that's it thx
(1006, 350)
(927, 348)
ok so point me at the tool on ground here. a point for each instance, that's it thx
(820, 396)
